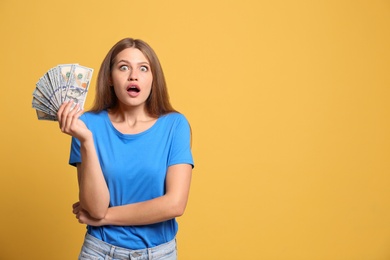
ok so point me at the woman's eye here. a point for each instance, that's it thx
(144, 68)
(124, 67)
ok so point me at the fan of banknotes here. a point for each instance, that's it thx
(62, 83)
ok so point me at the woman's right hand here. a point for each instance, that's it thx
(70, 123)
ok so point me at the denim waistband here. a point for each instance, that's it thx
(116, 252)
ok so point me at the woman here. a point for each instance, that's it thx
(133, 158)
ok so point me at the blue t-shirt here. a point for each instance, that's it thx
(134, 167)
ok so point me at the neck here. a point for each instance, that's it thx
(132, 115)
(131, 121)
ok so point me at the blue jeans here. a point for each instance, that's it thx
(95, 249)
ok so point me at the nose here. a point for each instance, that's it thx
(132, 76)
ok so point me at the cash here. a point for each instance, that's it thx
(60, 84)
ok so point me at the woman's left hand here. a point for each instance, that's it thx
(83, 216)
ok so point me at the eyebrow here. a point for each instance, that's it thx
(138, 63)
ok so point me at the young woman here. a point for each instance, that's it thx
(133, 158)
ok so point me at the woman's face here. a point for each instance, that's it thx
(131, 77)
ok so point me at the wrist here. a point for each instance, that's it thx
(86, 139)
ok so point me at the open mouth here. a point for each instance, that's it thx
(133, 89)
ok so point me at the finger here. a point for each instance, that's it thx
(76, 207)
(76, 210)
(60, 112)
(70, 119)
(81, 219)
(80, 111)
(74, 113)
(76, 204)
(65, 115)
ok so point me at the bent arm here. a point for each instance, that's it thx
(163, 208)
(93, 191)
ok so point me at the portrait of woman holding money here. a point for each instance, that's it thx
(133, 156)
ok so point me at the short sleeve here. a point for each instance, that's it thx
(180, 150)
(75, 156)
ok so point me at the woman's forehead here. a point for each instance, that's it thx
(131, 55)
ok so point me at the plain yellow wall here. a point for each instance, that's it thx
(289, 103)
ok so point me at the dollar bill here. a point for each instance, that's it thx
(62, 83)
(65, 71)
(43, 116)
(78, 85)
(38, 105)
(37, 94)
(54, 84)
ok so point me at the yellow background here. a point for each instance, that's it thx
(289, 102)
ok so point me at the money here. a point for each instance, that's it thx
(65, 82)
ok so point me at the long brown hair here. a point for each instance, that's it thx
(157, 103)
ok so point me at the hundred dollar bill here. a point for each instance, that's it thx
(44, 86)
(64, 70)
(43, 113)
(37, 94)
(43, 116)
(79, 81)
(59, 84)
(41, 107)
(54, 84)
